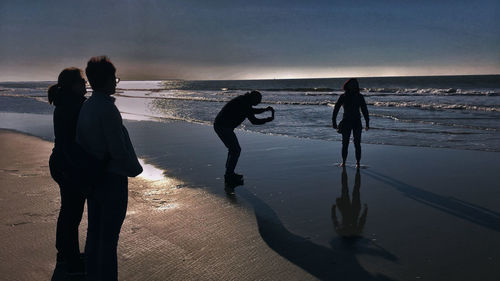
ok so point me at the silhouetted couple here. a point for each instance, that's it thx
(91, 160)
(230, 117)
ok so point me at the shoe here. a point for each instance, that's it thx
(233, 180)
(232, 184)
(233, 177)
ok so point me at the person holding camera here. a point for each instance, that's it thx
(231, 116)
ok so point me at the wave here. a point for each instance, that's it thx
(153, 90)
(33, 97)
(148, 117)
(437, 123)
(10, 94)
(429, 91)
(371, 92)
(223, 99)
(434, 106)
(301, 90)
(401, 130)
(332, 137)
(374, 91)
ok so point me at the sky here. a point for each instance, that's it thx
(149, 40)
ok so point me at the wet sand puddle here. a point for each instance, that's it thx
(156, 189)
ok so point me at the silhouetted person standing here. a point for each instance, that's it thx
(101, 133)
(67, 96)
(230, 117)
(352, 101)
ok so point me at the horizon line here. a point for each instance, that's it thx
(268, 79)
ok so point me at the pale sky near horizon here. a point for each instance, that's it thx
(250, 39)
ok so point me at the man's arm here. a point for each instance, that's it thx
(364, 110)
(120, 150)
(336, 109)
(113, 134)
(262, 110)
(256, 121)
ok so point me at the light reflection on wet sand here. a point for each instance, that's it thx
(159, 188)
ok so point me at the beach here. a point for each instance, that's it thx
(414, 85)
(431, 213)
(424, 205)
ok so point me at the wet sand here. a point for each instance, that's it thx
(432, 214)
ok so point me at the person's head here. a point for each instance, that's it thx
(69, 82)
(351, 86)
(101, 74)
(255, 97)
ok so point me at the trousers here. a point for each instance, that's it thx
(107, 207)
(228, 137)
(346, 135)
(70, 213)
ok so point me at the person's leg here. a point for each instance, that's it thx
(113, 202)
(92, 243)
(233, 153)
(346, 135)
(357, 142)
(70, 216)
(230, 140)
(57, 176)
(60, 231)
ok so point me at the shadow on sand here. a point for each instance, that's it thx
(455, 207)
(337, 262)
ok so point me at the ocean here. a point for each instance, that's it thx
(458, 112)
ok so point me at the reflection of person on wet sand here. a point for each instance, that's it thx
(338, 261)
(350, 210)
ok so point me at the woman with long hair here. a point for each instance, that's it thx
(67, 96)
(352, 101)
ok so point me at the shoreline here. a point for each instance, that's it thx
(45, 130)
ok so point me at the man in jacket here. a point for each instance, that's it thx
(101, 133)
